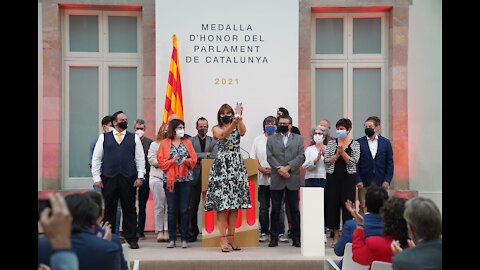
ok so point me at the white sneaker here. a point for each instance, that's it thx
(282, 238)
(171, 244)
(184, 244)
(326, 238)
(263, 237)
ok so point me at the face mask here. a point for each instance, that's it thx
(341, 133)
(139, 132)
(369, 132)
(180, 132)
(318, 138)
(110, 129)
(283, 129)
(227, 119)
(270, 129)
(122, 125)
(202, 132)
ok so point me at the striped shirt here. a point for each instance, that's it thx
(330, 151)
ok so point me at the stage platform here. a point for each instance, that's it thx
(153, 255)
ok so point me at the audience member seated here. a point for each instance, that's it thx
(105, 230)
(424, 223)
(57, 225)
(92, 251)
(377, 248)
(372, 222)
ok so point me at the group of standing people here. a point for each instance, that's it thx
(122, 161)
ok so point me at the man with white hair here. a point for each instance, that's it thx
(424, 223)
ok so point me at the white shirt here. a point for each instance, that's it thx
(373, 145)
(259, 151)
(152, 159)
(314, 170)
(285, 139)
(97, 157)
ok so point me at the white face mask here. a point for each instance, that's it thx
(318, 138)
(139, 132)
(110, 129)
(180, 132)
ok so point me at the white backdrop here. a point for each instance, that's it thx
(214, 38)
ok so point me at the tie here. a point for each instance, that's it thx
(119, 138)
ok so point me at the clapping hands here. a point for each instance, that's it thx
(351, 208)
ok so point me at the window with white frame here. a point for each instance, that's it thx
(102, 64)
(348, 63)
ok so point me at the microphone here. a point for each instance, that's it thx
(246, 152)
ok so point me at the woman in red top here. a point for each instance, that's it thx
(377, 248)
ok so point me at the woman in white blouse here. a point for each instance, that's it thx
(316, 175)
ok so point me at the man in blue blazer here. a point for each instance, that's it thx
(375, 165)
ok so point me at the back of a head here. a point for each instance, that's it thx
(394, 223)
(97, 199)
(375, 198)
(424, 216)
(83, 209)
(283, 110)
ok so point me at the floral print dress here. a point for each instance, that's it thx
(227, 183)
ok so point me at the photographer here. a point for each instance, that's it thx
(56, 223)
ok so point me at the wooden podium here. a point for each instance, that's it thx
(246, 230)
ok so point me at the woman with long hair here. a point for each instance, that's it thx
(227, 183)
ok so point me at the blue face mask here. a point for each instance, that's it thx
(270, 130)
(341, 133)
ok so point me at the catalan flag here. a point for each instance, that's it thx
(173, 98)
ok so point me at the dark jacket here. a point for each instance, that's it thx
(92, 251)
(380, 168)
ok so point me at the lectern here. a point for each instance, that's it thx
(246, 231)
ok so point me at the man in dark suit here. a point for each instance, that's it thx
(120, 156)
(285, 154)
(375, 165)
(93, 252)
(205, 147)
(424, 223)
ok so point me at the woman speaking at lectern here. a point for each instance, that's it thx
(227, 183)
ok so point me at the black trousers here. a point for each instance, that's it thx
(113, 189)
(291, 197)
(194, 201)
(340, 188)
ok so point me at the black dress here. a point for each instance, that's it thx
(340, 188)
(227, 183)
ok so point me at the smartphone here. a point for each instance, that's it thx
(42, 204)
(238, 109)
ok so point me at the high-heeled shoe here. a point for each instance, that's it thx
(222, 247)
(233, 248)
